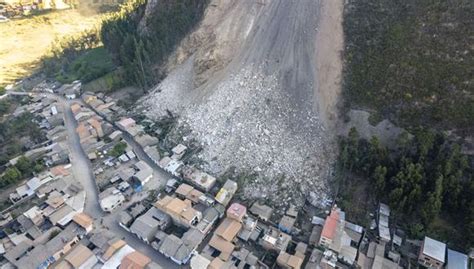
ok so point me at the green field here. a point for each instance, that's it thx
(87, 67)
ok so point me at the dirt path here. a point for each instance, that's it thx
(329, 49)
(24, 41)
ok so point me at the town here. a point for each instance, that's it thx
(110, 197)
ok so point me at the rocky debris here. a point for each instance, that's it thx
(250, 123)
(171, 94)
(251, 98)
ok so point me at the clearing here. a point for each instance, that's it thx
(26, 40)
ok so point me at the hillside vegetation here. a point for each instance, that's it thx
(412, 61)
(426, 181)
(141, 35)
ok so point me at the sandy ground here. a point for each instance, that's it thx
(258, 84)
(24, 41)
(329, 51)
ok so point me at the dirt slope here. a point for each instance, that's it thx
(257, 84)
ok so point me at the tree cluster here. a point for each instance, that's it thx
(118, 149)
(426, 177)
(22, 169)
(12, 130)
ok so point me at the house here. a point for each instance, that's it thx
(112, 249)
(249, 230)
(143, 174)
(146, 226)
(96, 123)
(199, 178)
(181, 212)
(223, 247)
(126, 123)
(286, 224)
(336, 237)
(171, 166)
(76, 108)
(228, 229)
(116, 258)
(178, 151)
(153, 153)
(226, 193)
(382, 263)
(221, 241)
(110, 199)
(285, 260)
(329, 229)
(263, 212)
(456, 260)
(62, 216)
(195, 196)
(171, 185)
(44, 254)
(28, 189)
(210, 216)
(146, 140)
(183, 190)
(199, 262)
(383, 221)
(35, 215)
(135, 260)
(55, 200)
(275, 240)
(84, 221)
(115, 135)
(80, 257)
(236, 212)
(432, 253)
(181, 249)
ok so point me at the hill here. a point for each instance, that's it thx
(411, 61)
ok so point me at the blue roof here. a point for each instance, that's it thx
(456, 260)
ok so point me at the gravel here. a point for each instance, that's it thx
(250, 123)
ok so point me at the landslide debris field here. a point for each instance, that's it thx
(245, 85)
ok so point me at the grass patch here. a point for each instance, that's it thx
(375, 118)
(92, 64)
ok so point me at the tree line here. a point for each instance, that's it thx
(424, 178)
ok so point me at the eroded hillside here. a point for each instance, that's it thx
(247, 85)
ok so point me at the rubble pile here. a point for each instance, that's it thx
(250, 123)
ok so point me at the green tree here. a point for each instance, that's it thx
(24, 165)
(379, 177)
(11, 175)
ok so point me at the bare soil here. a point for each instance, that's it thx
(24, 41)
